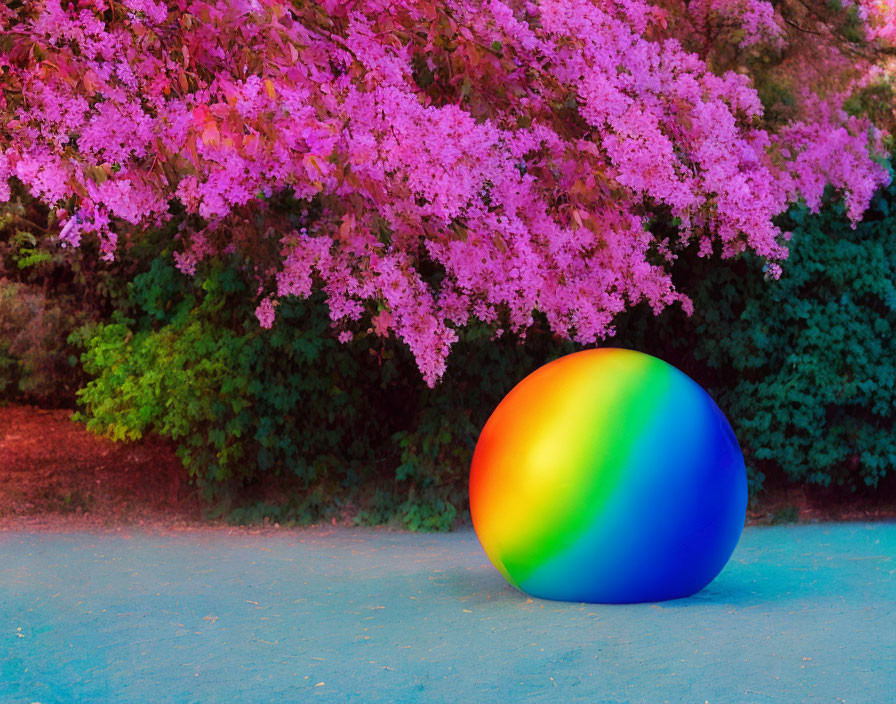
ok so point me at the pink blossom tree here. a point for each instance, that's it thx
(446, 159)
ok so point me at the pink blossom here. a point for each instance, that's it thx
(4, 178)
(454, 160)
(757, 20)
(879, 16)
(265, 313)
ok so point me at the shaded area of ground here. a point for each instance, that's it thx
(52, 471)
(55, 475)
(800, 614)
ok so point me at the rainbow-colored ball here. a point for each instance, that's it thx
(608, 476)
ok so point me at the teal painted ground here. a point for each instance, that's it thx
(800, 614)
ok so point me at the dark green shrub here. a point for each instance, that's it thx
(193, 365)
(245, 404)
(804, 366)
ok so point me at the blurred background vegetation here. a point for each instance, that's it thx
(292, 425)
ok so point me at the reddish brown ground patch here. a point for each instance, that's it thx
(800, 504)
(52, 470)
(54, 475)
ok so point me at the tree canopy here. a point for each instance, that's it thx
(425, 163)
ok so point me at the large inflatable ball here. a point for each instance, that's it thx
(608, 476)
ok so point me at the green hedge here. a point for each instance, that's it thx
(812, 354)
(803, 366)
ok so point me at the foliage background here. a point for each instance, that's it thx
(291, 424)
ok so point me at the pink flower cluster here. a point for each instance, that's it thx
(755, 20)
(879, 17)
(463, 158)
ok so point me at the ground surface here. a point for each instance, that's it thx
(800, 614)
